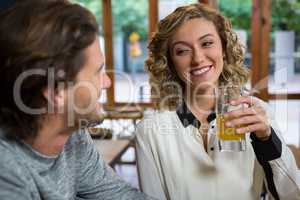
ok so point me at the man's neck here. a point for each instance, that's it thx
(52, 136)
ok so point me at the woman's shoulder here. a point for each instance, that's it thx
(159, 114)
(159, 117)
(155, 122)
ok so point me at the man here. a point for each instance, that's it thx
(51, 77)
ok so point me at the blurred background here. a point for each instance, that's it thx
(269, 30)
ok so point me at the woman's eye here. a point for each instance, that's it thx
(181, 51)
(207, 44)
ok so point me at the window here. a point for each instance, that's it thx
(287, 115)
(130, 38)
(168, 6)
(284, 68)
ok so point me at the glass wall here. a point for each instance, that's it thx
(284, 66)
(130, 29)
(168, 6)
(284, 61)
(287, 116)
(239, 12)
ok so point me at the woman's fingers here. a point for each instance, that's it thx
(244, 111)
(245, 99)
(251, 119)
(242, 121)
(251, 128)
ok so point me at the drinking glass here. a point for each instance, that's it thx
(228, 139)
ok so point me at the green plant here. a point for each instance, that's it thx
(238, 11)
(285, 15)
(128, 16)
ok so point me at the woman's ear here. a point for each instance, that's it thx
(55, 99)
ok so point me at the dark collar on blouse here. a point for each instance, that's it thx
(187, 118)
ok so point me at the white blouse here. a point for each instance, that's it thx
(173, 164)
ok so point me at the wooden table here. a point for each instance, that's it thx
(112, 150)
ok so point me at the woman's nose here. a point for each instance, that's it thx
(198, 57)
(105, 81)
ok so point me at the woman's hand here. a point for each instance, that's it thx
(251, 119)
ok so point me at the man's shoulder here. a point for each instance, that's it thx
(10, 165)
(7, 151)
(79, 143)
(13, 175)
(78, 137)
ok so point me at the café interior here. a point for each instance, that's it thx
(272, 53)
(274, 65)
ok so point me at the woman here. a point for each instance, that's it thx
(193, 52)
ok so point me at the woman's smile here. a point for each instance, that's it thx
(201, 71)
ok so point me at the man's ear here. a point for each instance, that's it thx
(55, 99)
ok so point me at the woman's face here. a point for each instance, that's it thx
(196, 52)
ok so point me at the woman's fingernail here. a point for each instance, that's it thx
(228, 124)
(239, 130)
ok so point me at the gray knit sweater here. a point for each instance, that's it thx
(78, 172)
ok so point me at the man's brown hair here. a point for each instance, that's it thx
(39, 35)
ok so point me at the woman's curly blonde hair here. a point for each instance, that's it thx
(159, 64)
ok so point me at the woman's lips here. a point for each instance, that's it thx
(201, 70)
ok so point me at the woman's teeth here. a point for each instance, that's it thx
(201, 70)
